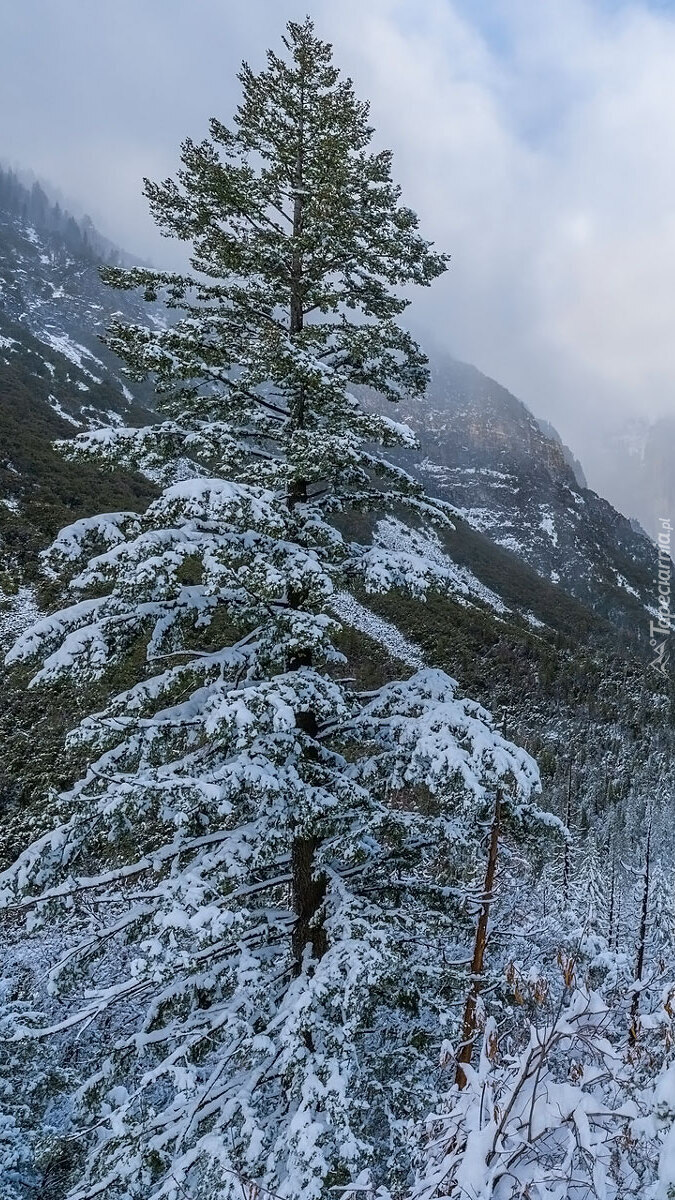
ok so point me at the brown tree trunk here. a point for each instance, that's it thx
(309, 891)
(480, 942)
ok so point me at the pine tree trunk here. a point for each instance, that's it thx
(309, 891)
(308, 888)
(480, 942)
(641, 946)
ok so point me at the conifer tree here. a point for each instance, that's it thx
(261, 870)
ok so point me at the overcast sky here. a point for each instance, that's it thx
(536, 138)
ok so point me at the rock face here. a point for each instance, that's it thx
(510, 477)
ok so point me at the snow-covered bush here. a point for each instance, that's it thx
(546, 1119)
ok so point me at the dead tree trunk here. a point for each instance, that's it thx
(469, 1023)
(566, 851)
(641, 945)
(612, 904)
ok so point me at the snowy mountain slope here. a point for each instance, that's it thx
(51, 293)
(39, 489)
(521, 506)
(55, 376)
(514, 481)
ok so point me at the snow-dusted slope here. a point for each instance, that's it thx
(508, 475)
(514, 481)
(51, 295)
(56, 378)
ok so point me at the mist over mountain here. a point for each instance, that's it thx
(634, 465)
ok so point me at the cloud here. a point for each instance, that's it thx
(536, 141)
(544, 159)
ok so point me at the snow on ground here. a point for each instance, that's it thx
(56, 406)
(349, 610)
(457, 477)
(95, 418)
(463, 584)
(547, 524)
(482, 519)
(622, 582)
(17, 613)
(10, 502)
(485, 520)
(509, 542)
(72, 350)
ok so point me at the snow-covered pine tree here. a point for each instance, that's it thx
(661, 931)
(261, 869)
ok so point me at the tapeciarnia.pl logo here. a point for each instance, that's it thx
(659, 631)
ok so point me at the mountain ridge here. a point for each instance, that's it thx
(515, 487)
(485, 452)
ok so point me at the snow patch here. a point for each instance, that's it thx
(17, 613)
(623, 583)
(56, 407)
(393, 535)
(509, 542)
(359, 617)
(73, 351)
(547, 524)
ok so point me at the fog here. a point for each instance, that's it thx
(536, 140)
